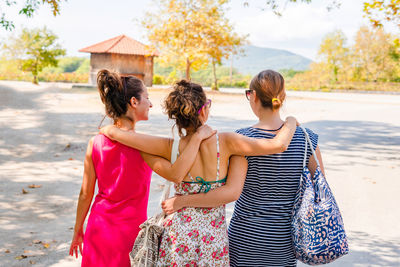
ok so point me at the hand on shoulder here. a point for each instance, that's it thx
(205, 132)
(291, 119)
(108, 131)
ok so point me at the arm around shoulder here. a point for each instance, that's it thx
(177, 171)
(144, 142)
(246, 146)
(222, 195)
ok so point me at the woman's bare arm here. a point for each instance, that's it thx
(84, 201)
(176, 172)
(159, 146)
(151, 144)
(217, 197)
(312, 163)
(245, 146)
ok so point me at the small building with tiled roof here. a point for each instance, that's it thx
(123, 55)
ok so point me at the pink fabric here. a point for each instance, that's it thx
(123, 180)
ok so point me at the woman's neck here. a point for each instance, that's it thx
(188, 135)
(125, 124)
(269, 120)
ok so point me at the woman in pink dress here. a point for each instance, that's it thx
(123, 175)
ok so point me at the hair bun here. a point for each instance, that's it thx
(183, 83)
(183, 103)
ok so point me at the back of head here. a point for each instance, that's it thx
(183, 104)
(116, 92)
(269, 86)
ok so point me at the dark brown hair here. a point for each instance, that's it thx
(116, 92)
(268, 85)
(183, 104)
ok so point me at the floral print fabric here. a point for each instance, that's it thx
(195, 236)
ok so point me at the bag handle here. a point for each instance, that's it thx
(308, 141)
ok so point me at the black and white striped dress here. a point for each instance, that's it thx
(259, 231)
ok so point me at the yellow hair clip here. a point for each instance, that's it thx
(275, 99)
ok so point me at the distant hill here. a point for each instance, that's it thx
(260, 58)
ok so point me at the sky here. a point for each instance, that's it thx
(300, 29)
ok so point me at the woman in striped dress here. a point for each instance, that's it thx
(260, 231)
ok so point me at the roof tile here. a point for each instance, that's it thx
(121, 45)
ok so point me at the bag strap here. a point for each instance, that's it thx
(308, 141)
(167, 184)
(174, 152)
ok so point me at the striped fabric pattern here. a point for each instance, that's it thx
(260, 228)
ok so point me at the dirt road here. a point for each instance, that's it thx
(44, 131)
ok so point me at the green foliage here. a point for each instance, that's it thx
(333, 52)
(158, 79)
(289, 73)
(344, 86)
(27, 8)
(34, 50)
(161, 69)
(9, 71)
(84, 67)
(164, 75)
(70, 64)
(372, 59)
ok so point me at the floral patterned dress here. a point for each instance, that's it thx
(196, 236)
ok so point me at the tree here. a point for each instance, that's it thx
(379, 11)
(223, 45)
(186, 32)
(34, 50)
(28, 9)
(176, 30)
(221, 40)
(373, 55)
(334, 52)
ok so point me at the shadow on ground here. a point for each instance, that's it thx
(369, 250)
(14, 99)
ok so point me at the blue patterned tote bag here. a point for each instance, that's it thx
(317, 226)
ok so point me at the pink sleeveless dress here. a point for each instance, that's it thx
(123, 180)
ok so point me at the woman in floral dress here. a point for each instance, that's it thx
(198, 236)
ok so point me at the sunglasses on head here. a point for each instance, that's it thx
(208, 104)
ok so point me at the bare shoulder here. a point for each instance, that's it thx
(208, 143)
(90, 145)
(91, 140)
(227, 137)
